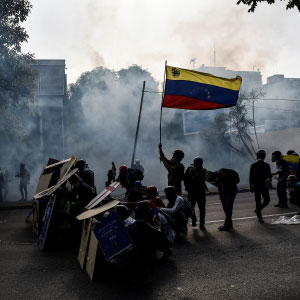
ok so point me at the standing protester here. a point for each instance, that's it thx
(24, 181)
(283, 173)
(174, 167)
(137, 165)
(5, 184)
(260, 176)
(194, 181)
(177, 210)
(226, 180)
(1, 185)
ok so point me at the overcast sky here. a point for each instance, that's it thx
(119, 33)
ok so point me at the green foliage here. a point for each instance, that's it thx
(17, 79)
(253, 3)
(240, 123)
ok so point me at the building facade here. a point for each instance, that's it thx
(51, 95)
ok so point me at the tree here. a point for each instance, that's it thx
(253, 3)
(17, 79)
(240, 125)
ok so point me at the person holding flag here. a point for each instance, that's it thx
(174, 167)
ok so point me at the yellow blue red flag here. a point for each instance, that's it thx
(187, 89)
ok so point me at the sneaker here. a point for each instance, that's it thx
(277, 205)
(202, 227)
(223, 228)
(261, 221)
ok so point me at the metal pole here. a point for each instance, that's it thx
(254, 124)
(162, 100)
(138, 125)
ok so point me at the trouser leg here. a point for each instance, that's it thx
(201, 201)
(257, 195)
(266, 196)
(21, 191)
(281, 193)
(25, 191)
(192, 200)
(228, 205)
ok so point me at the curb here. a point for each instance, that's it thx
(29, 205)
(13, 207)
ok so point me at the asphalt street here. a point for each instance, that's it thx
(254, 261)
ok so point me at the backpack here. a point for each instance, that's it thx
(233, 175)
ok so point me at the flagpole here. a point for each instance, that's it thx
(138, 125)
(162, 100)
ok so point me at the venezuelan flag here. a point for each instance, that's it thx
(293, 161)
(187, 89)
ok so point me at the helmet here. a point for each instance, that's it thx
(290, 152)
(178, 153)
(198, 161)
(137, 183)
(152, 190)
(80, 163)
(261, 154)
(122, 211)
(123, 169)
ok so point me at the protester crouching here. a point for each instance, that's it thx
(226, 181)
(176, 208)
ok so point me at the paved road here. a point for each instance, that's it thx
(254, 261)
